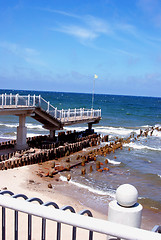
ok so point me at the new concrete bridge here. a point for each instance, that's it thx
(41, 110)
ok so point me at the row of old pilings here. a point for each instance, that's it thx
(7, 144)
(102, 151)
(32, 156)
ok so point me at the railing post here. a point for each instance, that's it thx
(2, 101)
(5, 99)
(34, 100)
(3, 223)
(68, 114)
(10, 98)
(39, 100)
(75, 113)
(62, 114)
(28, 100)
(16, 100)
(81, 113)
(55, 112)
(48, 107)
(91, 112)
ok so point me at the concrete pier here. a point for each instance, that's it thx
(21, 133)
(49, 116)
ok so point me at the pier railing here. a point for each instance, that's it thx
(10, 100)
(44, 212)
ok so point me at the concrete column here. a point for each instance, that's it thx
(21, 133)
(52, 133)
(125, 209)
(89, 126)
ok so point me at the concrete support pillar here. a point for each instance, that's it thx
(89, 126)
(52, 133)
(21, 133)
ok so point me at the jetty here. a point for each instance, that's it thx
(43, 111)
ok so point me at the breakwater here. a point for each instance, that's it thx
(43, 148)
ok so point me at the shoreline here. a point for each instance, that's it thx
(33, 180)
(27, 181)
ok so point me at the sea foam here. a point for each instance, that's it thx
(110, 193)
(114, 162)
(141, 146)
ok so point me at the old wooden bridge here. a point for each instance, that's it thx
(41, 110)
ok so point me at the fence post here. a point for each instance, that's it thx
(2, 101)
(34, 100)
(68, 114)
(10, 98)
(39, 100)
(48, 107)
(55, 112)
(81, 113)
(125, 209)
(28, 100)
(75, 113)
(62, 114)
(16, 100)
(5, 99)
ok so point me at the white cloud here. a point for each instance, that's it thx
(86, 27)
(98, 25)
(77, 31)
(28, 54)
(68, 14)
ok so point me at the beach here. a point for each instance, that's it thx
(28, 180)
(136, 163)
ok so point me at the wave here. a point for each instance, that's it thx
(159, 175)
(116, 131)
(157, 134)
(140, 146)
(33, 134)
(110, 193)
(7, 137)
(35, 126)
(11, 137)
(113, 162)
(11, 125)
(121, 131)
(78, 129)
(28, 125)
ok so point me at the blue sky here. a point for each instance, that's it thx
(58, 45)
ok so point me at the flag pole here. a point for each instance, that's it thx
(93, 92)
(95, 76)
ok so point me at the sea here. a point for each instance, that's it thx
(138, 163)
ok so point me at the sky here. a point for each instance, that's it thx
(59, 45)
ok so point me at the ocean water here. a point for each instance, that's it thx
(138, 163)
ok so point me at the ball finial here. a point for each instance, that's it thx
(126, 195)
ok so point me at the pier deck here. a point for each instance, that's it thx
(42, 111)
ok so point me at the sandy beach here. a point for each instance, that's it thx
(31, 181)
(24, 180)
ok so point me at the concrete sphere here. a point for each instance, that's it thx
(126, 195)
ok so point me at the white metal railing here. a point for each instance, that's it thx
(37, 101)
(96, 225)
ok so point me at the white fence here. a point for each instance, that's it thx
(37, 101)
(103, 227)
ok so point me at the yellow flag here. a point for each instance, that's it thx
(95, 76)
